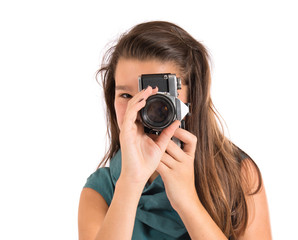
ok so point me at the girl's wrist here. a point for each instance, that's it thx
(130, 185)
(189, 207)
(188, 202)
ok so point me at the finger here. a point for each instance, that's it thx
(168, 161)
(189, 140)
(143, 95)
(175, 151)
(162, 169)
(131, 113)
(137, 103)
(165, 136)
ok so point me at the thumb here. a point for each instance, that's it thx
(166, 135)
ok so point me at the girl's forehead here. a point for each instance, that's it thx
(133, 68)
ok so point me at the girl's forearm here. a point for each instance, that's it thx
(198, 222)
(120, 218)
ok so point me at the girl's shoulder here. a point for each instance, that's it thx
(104, 179)
(101, 182)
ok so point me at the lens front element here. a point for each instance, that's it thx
(159, 112)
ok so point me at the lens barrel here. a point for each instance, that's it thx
(159, 112)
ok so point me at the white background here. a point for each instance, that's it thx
(52, 123)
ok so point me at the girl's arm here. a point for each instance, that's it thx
(140, 157)
(198, 222)
(201, 226)
(92, 210)
(119, 220)
(258, 226)
(176, 170)
(98, 221)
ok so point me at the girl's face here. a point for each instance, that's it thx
(126, 81)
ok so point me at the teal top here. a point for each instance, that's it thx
(155, 217)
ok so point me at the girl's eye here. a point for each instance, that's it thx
(125, 95)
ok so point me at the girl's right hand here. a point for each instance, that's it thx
(140, 153)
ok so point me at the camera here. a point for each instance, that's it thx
(164, 107)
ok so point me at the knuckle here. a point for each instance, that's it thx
(194, 139)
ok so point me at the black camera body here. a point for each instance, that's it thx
(164, 107)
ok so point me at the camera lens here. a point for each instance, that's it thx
(158, 113)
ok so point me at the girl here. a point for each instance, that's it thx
(153, 189)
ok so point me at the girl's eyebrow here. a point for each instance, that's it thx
(123, 87)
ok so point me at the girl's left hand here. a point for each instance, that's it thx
(176, 169)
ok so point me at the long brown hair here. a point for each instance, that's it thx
(218, 162)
